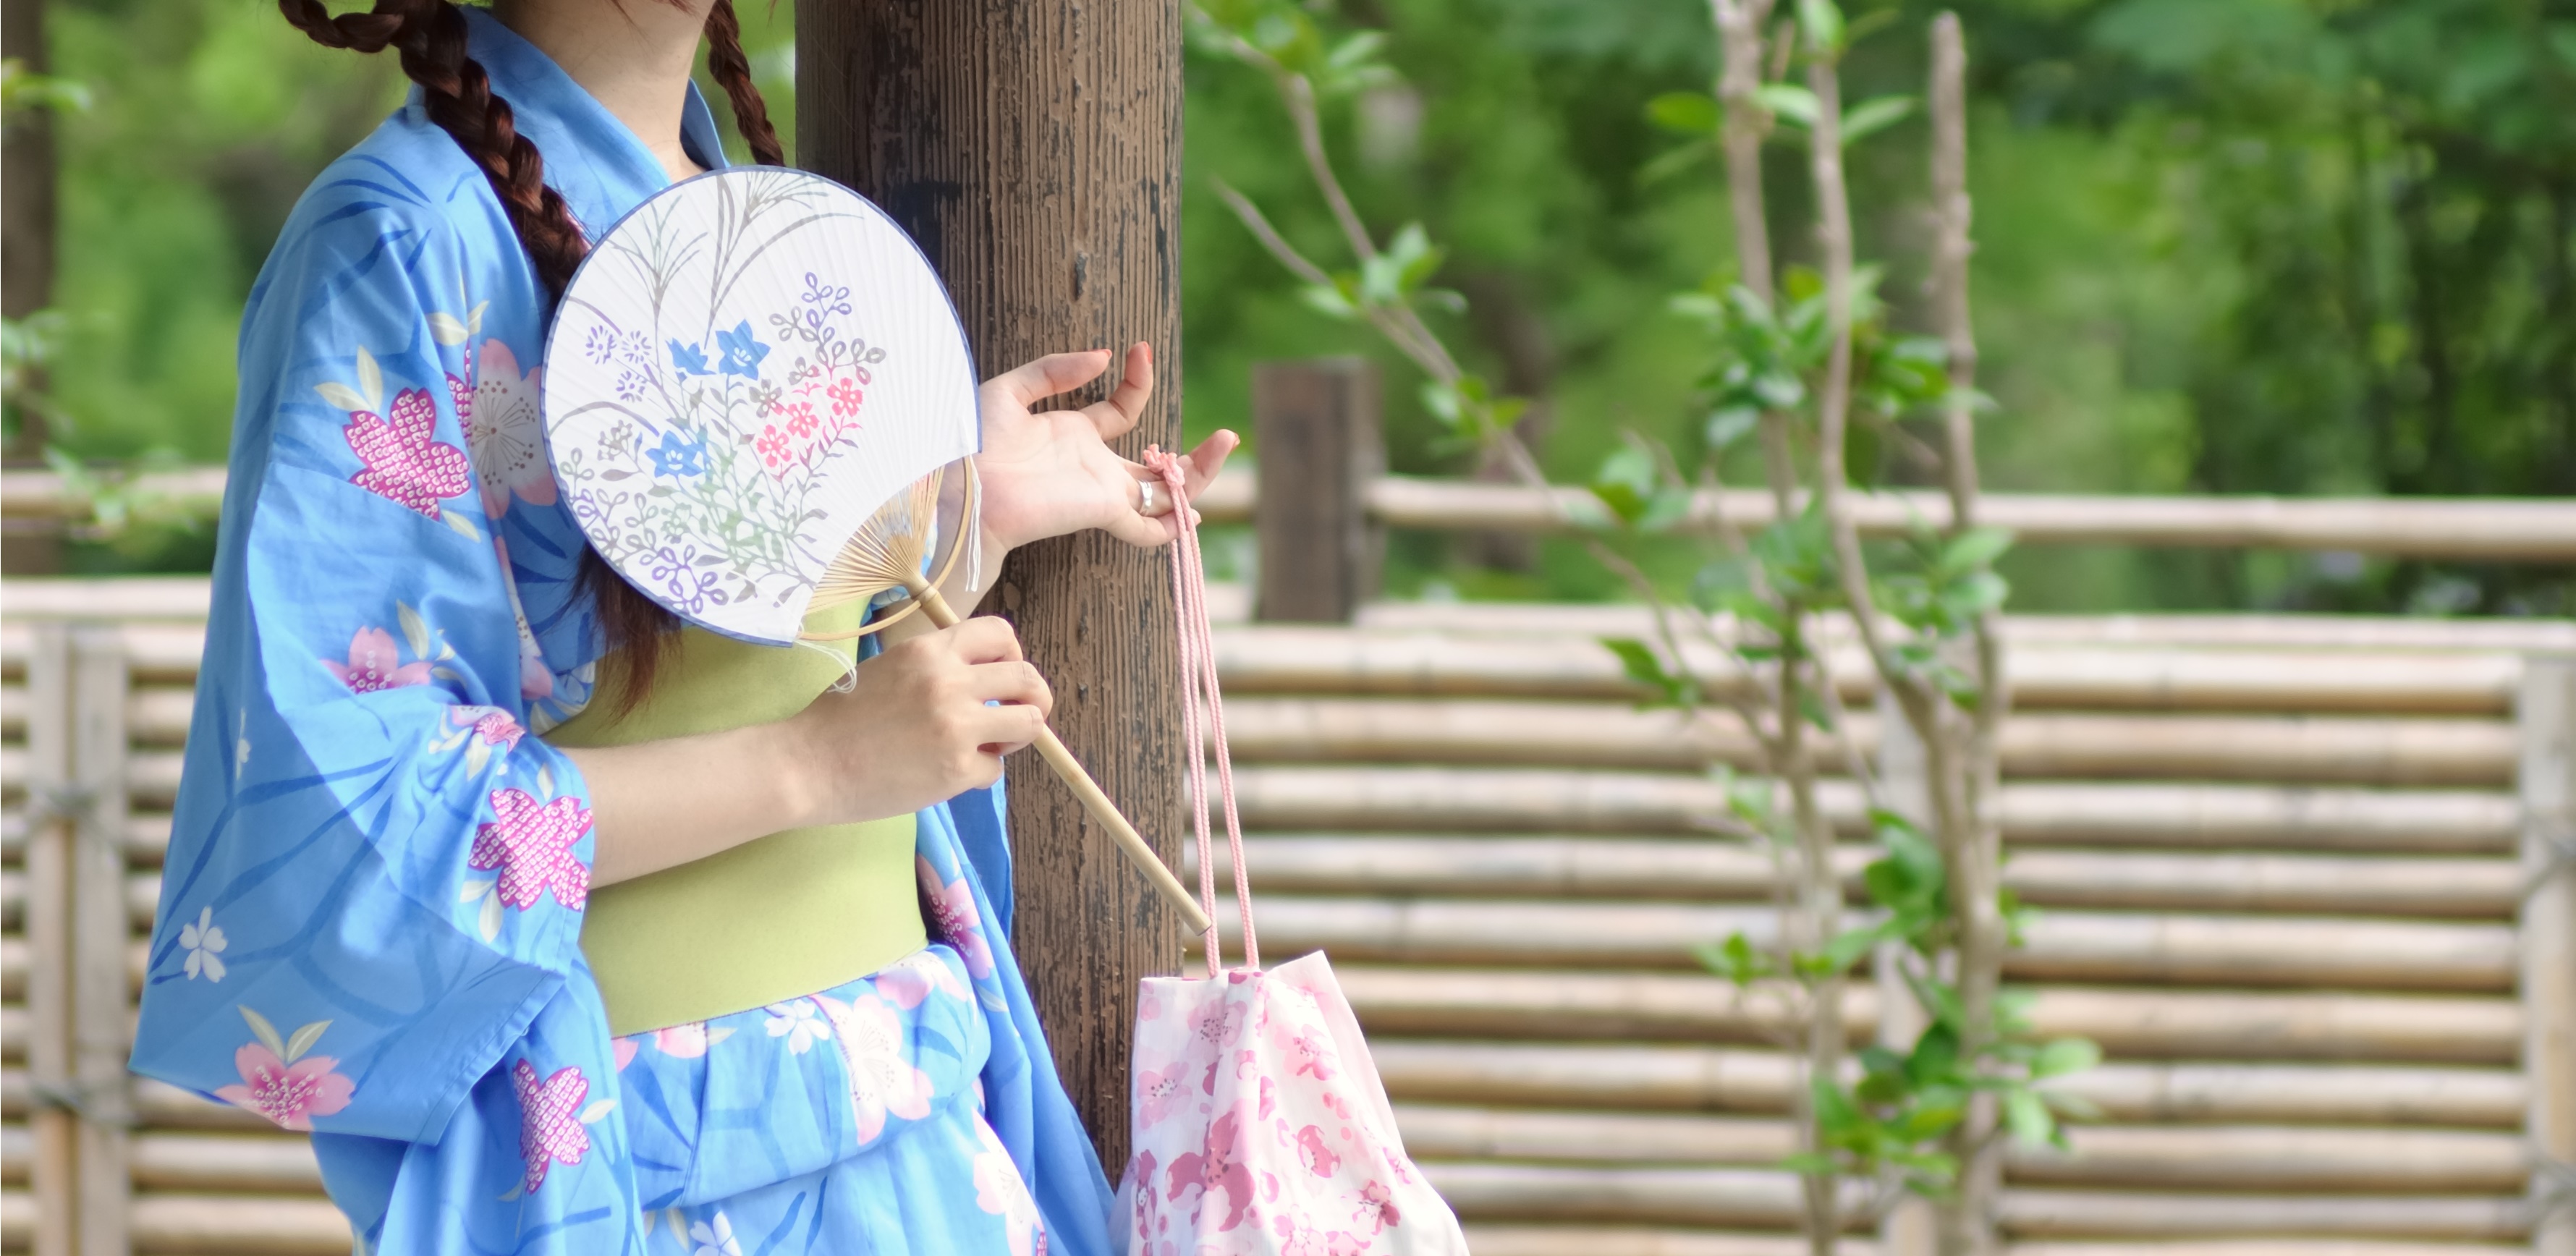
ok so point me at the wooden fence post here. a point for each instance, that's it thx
(100, 1000)
(1315, 432)
(1909, 1229)
(1032, 149)
(2547, 933)
(49, 940)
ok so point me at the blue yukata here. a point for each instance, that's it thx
(372, 904)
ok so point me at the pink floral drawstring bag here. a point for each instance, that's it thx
(1259, 1125)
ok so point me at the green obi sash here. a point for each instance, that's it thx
(771, 919)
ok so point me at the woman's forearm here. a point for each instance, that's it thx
(660, 804)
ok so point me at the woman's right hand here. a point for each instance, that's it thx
(914, 728)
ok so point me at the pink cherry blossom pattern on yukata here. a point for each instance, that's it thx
(1297, 1238)
(1000, 1190)
(290, 1095)
(908, 981)
(504, 432)
(953, 914)
(550, 1128)
(883, 1081)
(531, 843)
(688, 1042)
(624, 1049)
(498, 728)
(375, 663)
(405, 461)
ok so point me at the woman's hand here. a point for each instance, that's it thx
(1047, 474)
(914, 727)
(912, 730)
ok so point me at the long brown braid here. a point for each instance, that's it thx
(429, 36)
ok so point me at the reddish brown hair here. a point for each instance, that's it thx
(430, 37)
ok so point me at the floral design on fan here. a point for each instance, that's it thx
(717, 419)
(505, 434)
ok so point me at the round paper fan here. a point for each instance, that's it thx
(744, 370)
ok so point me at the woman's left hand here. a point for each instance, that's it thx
(1047, 474)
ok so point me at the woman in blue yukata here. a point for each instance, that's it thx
(562, 930)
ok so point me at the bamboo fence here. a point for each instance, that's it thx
(2304, 880)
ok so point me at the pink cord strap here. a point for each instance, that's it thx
(1198, 685)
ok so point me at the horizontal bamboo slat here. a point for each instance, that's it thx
(269, 1164)
(2528, 530)
(155, 716)
(2222, 1157)
(2212, 631)
(1526, 800)
(1486, 1190)
(151, 776)
(2060, 945)
(1721, 869)
(2040, 1213)
(1505, 1239)
(237, 1225)
(147, 835)
(1525, 1004)
(1282, 659)
(1448, 1132)
(1675, 1078)
(2261, 1247)
(2319, 749)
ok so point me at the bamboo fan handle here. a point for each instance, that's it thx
(1070, 771)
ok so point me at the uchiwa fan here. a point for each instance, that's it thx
(750, 389)
(888, 552)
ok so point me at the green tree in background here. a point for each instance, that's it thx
(2295, 246)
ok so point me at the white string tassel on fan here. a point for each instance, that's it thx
(1199, 693)
(886, 553)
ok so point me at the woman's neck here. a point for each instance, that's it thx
(633, 56)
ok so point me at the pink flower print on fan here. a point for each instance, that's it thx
(405, 461)
(280, 1082)
(531, 843)
(953, 915)
(1218, 1165)
(504, 431)
(845, 397)
(550, 1128)
(375, 663)
(1160, 1092)
(882, 1080)
(688, 1042)
(1000, 1190)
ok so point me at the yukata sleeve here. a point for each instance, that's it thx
(375, 878)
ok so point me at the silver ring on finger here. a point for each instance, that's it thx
(1145, 498)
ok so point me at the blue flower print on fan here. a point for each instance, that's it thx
(689, 359)
(678, 458)
(742, 354)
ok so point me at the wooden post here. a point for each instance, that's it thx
(1315, 432)
(1032, 147)
(49, 939)
(2547, 933)
(100, 934)
(1909, 1228)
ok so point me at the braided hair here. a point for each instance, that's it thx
(429, 36)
